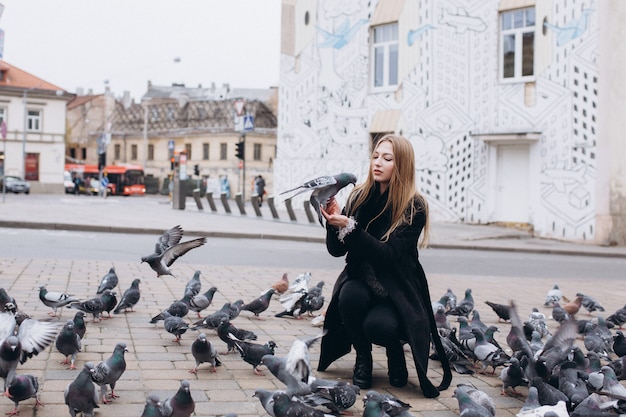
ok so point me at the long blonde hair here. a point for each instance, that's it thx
(402, 189)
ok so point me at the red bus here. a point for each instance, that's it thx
(123, 179)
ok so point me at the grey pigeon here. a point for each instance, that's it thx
(559, 314)
(180, 404)
(68, 343)
(109, 371)
(476, 322)
(80, 328)
(32, 337)
(513, 376)
(501, 310)
(618, 318)
(55, 300)
(81, 395)
(94, 306)
(336, 396)
(253, 353)
(465, 306)
(130, 298)
(108, 281)
(284, 406)
(201, 302)
(168, 249)
(478, 396)
(469, 407)
(486, 353)
(589, 303)
(266, 398)
(619, 367)
(203, 351)
(324, 189)
(451, 299)
(152, 407)
(558, 347)
(611, 384)
(441, 320)
(532, 400)
(593, 342)
(547, 394)
(226, 329)
(572, 384)
(376, 404)
(553, 296)
(6, 298)
(442, 302)
(259, 304)
(456, 357)
(313, 300)
(193, 285)
(214, 319)
(538, 322)
(110, 301)
(174, 325)
(23, 387)
(179, 308)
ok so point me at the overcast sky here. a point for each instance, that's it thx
(84, 43)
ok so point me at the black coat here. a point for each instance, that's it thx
(396, 266)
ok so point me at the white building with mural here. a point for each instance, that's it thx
(500, 99)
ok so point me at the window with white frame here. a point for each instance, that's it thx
(33, 121)
(517, 44)
(384, 56)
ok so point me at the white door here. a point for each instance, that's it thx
(512, 184)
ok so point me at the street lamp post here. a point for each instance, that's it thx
(24, 133)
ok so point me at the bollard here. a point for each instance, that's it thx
(292, 215)
(307, 210)
(270, 203)
(209, 199)
(254, 200)
(196, 196)
(225, 202)
(240, 204)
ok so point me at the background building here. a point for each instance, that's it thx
(500, 98)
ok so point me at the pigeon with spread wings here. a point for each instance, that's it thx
(169, 248)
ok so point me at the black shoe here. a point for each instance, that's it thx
(398, 375)
(363, 371)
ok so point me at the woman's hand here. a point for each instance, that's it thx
(333, 215)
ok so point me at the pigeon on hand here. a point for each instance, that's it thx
(590, 304)
(23, 387)
(203, 351)
(181, 404)
(225, 329)
(108, 282)
(55, 300)
(465, 306)
(253, 353)
(32, 337)
(324, 189)
(200, 302)
(260, 304)
(282, 285)
(130, 298)
(193, 285)
(81, 395)
(553, 296)
(68, 343)
(169, 248)
(109, 371)
(153, 407)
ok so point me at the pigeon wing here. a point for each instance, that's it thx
(176, 251)
(170, 238)
(35, 336)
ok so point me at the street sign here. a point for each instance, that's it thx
(248, 123)
(170, 145)
(239, 105)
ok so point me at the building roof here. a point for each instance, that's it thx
(80, 100)
(13, 76)
(182, 93)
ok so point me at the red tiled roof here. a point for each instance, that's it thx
(15, 77)
(80, 100)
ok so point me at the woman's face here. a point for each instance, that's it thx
(383, 164)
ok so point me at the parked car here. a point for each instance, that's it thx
(68, 183)
(15, 185)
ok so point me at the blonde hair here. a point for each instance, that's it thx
(402, 189)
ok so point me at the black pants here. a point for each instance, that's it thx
(369, 319)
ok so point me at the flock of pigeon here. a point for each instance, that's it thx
(571, 371)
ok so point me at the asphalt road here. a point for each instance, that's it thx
(28, 243)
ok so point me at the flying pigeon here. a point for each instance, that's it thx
(109, 371)
(203, 351)
(259, 304)
(324, 188)
(181, 404)
(152, 407)
(32, 337)
(130, 298)
(225, 329)
(169, 248)
(23, 387)
(253, 353)
(55, 300)
(108, 282)
(81, 395)
(68, 343)
(200, 302)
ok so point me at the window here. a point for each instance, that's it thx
(188, 150)
(150, 152)
(3, 115)
(257, 152)
(385, 56)
(117, 152)
(133, 152)
(205, 151)
(33, 121)
(517, 44)
(223, 149)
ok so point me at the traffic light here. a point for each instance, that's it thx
(240, 150)
(196, 169)
(172, 163)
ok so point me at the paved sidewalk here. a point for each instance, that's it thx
(156, 364)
